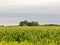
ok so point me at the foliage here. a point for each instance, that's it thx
(33, 23)
(37, 35)
(23, 23)
(26, 23)
(51, 25)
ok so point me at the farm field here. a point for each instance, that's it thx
(30, 35)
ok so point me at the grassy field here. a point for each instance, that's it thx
(30, 35)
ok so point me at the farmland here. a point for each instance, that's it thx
(30, 35)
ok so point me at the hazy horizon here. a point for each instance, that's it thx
(15, 18)
(43, 11)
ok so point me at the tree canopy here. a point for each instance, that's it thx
(26, 23)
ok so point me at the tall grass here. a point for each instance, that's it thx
(35, 35)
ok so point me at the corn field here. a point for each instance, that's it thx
(30, 35)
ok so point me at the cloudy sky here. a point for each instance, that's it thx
(44, 11)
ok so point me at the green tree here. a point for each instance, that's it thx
(33, 23)
(23, 23)
(26, 23)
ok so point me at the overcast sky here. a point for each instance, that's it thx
(44, 11)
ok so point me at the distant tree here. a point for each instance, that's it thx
(23, 23)
(33, 23)
(51, 25)
(26, 23)
(30, 24)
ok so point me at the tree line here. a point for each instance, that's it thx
(26, 23)
(34, 23)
